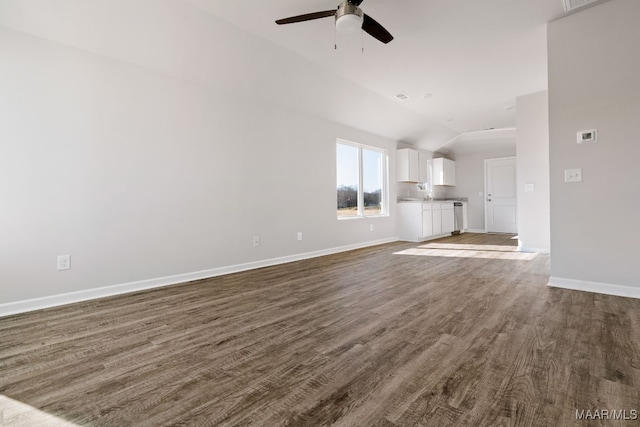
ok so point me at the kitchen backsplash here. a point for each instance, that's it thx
(406, 189)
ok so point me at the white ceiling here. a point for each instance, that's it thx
(474, 56)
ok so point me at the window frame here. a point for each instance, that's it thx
(384, 196)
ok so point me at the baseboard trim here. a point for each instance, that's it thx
(595, 287)
(475, 230)
(24, 306)
(535, 250)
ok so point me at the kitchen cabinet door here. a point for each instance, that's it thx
(427, 223)
(437, 220)
(443, 171)
(449, 172)
(408, 165)
(448, 221)
(410, 221)
(437, 171)
(423, 169)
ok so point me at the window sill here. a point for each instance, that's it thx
(346, 218)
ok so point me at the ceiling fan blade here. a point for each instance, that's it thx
(376, 30)
(307, 17)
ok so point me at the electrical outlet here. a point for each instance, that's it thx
(371, 227)
(572, 175)
(64, 262)
(256, 241)
(299, 235)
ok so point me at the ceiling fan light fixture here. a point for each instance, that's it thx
(349, 24)
(349, 18)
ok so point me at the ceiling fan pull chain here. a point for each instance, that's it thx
(362, 40)
(335, 38)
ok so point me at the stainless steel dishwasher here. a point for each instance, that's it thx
(457, 217)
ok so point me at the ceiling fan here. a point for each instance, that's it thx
(349, 19)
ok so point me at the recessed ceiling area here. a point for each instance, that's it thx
(482, 140)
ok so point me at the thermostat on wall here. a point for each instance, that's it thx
(587, 136)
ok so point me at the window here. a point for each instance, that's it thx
(361, 180)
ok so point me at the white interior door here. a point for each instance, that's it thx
(501, 195)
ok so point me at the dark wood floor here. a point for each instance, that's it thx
(440, 335)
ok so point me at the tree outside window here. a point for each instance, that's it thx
(361, 180)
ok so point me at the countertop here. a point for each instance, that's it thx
(437, 199)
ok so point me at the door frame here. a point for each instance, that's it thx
(486, 185)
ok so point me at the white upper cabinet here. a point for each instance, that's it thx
(443, 171)
(423, 161)
(411, 166)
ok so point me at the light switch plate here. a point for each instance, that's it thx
(572, 175)
(64, 262)
(528, 188)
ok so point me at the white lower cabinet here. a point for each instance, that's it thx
(448, 217)
(410, 221)
(437, 219)
(427, 220)
(418, 221)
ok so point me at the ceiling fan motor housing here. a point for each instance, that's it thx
(349, 18)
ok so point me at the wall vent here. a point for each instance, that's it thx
(402, 96)
(571, 5)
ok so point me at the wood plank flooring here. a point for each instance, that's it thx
(394, 335)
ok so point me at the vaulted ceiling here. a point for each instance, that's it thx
(461, 62)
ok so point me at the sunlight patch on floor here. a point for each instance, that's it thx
(459, 246)
(14, 413)
(469, 251)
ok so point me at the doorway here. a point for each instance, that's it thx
(501, 202)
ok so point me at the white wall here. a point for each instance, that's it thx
(593, 84)
(181, 39)
(470, 181)
(140, 175)
(533, 168)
